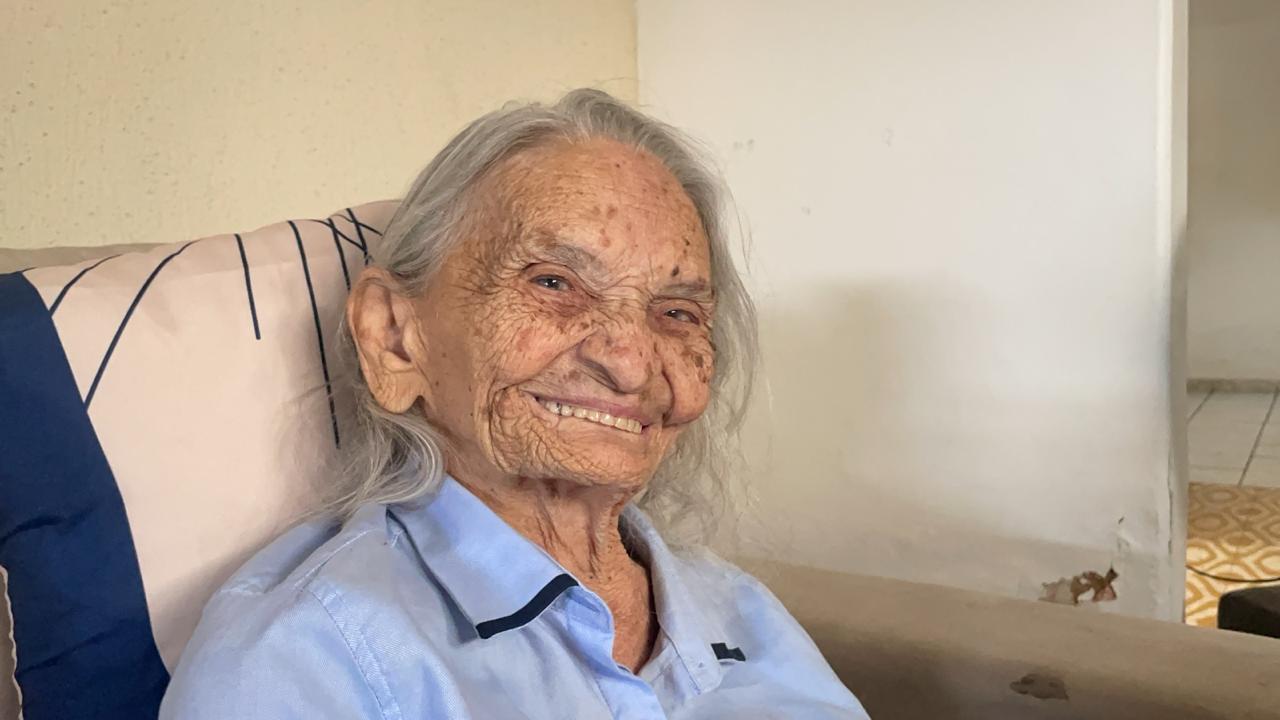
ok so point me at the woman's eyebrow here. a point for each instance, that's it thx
(695, 290)
(565, 253)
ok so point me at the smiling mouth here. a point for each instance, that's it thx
(593, 416)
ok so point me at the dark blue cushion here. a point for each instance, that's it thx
(85, 646)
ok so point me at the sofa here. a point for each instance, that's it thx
(908, 650)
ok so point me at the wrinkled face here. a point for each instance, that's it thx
(568, 336)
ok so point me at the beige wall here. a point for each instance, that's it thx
(156, 120)
(964, 220)
(1234, 258)
(160, 121)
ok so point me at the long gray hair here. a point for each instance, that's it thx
(398, 457)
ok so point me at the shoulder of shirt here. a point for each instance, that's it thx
(717, 579)
(703, 567)
(307, 553)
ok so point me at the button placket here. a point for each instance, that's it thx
(591, 625)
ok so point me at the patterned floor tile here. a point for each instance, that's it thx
(1233, 535)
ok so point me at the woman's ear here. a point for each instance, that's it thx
(384, 327)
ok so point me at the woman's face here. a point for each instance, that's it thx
(568, 336)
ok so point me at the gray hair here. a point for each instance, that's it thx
(398, 457)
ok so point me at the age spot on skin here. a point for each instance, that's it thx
(693, 357)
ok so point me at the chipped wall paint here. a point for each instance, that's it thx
(964, 265)
(154, 121)
(1068, 591)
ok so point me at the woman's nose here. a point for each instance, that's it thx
(620, 355)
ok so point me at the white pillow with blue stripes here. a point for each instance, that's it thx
(164, 415)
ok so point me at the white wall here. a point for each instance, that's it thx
(1233, 327)
(964, 219)
(156, 120)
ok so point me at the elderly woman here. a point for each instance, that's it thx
(551, 337)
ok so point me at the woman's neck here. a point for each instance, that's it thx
(576, 525)
(579, 527)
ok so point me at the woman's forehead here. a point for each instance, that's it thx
(596, 178)
(599, 201)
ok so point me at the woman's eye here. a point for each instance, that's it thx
(682, 315)
(552, 282)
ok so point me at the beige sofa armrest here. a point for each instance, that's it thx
(913, 651)
(8, 687)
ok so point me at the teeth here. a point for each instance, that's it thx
(595, 416)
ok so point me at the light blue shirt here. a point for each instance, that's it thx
(442, 610)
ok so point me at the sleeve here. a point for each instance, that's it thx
(256, 655)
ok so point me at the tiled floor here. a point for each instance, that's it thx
(1234, 439)
(1233, 524)
(1233, 537)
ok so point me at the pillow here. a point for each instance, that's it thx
(164, 414)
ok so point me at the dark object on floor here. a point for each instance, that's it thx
(1253, 610)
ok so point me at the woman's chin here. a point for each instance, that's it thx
(590, 464)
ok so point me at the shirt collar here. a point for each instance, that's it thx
(498, 578)
(686, 615)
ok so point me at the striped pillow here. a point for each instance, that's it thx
(163, 415)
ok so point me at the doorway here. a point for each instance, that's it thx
(1233, 302)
